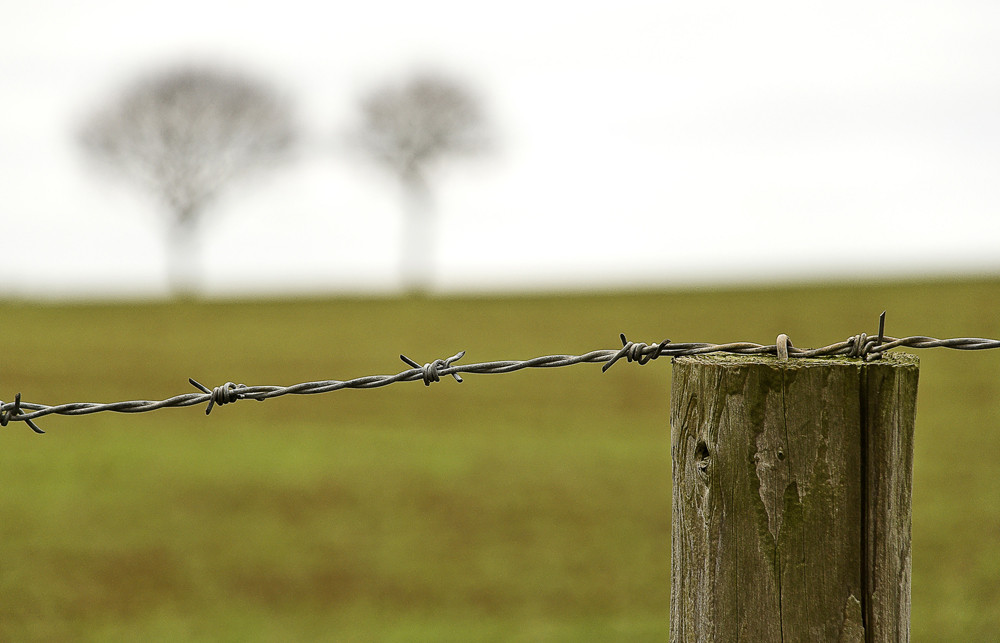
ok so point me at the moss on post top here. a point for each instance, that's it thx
(898, 360)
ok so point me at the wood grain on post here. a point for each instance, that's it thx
(791, 498)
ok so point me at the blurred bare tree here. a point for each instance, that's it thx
(182, 135)
(409, 128)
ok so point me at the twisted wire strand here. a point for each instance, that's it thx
(857, 346)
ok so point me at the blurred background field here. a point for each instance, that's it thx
(533, 506)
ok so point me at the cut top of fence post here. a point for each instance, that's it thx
(791, 498)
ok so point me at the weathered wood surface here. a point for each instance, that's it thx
(791, 498)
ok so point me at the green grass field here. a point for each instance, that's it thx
(533, 506)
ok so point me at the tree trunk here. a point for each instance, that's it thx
(417, 252)
(183, 264)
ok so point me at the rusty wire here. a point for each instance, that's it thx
(861, 346)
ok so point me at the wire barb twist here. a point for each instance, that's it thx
(225, 394)
(430, 372)
(10, 412)
(636, 352)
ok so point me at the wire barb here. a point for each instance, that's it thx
(430, 372)
(881, 335)
(220, 395)
(867, 348)
(10, 412)
(636, 352)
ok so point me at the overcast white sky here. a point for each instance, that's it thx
(638, 142)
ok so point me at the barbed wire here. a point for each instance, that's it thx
(861, 346)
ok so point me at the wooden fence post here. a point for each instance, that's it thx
(791, 498)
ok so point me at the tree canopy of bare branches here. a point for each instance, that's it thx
(184, 134)
(409, 128)
(413, 125)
